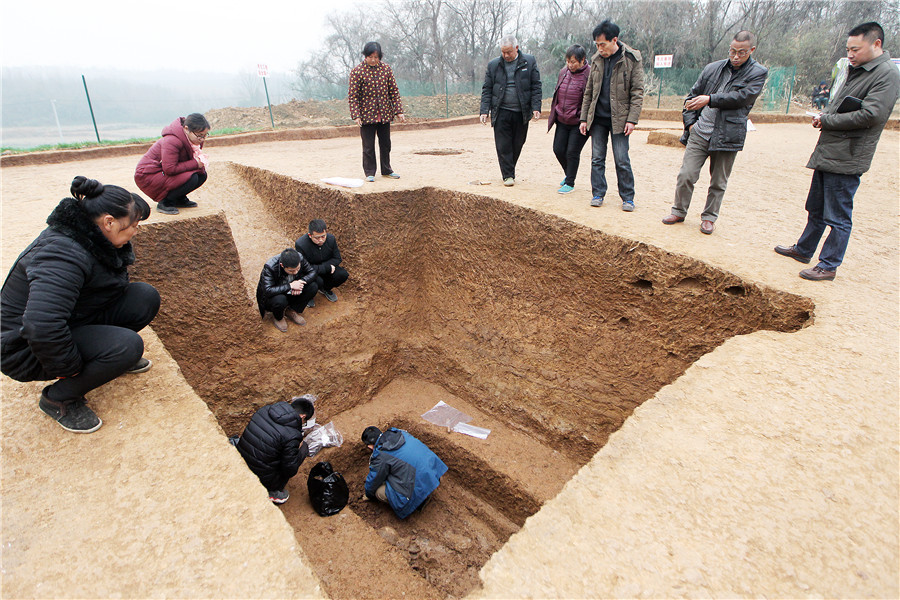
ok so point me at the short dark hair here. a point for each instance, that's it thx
(290, 258)
(871, 31)
(370, 435)
(303, 406)
(196, 122)
(372, 48)
(317, 226)
(607, 29)
(97, 200)
(745, 36)
(577, 52)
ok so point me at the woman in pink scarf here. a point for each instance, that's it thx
(175, 165)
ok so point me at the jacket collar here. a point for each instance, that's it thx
(69, 219)
(875, 61)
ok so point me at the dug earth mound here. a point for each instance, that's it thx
(546, 332)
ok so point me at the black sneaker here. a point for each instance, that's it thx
(234, 439)
(141, 366)
(166, 208)
(185, 202)
(329, 294)
(311, 303)
(73, 416)
(279, 496)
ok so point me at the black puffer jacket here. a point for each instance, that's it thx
(528, 86)
(273, 280)
(271, 442)
(68, 275)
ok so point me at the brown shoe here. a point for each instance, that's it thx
(672, 219)
(792, 252)
(817, 274)
(280, 324)
(295, 317)
(707, 227)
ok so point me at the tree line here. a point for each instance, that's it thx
(441, 42)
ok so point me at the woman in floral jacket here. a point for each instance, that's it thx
(374, 102)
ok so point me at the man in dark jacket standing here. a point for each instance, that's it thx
(320, 248)
(715, 126)
(272, 444)
(612, 104)
(510, 96)
(402, 470)
(851, 126)
(286, 284)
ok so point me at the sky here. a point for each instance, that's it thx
(196, 35)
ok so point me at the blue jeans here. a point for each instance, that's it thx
(829, 203)
(624, 176)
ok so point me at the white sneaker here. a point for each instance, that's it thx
(509, 182)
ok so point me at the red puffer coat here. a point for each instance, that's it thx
(168, 164)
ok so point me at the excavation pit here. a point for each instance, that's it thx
(550, 332)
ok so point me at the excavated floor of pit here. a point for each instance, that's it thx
(546, 332)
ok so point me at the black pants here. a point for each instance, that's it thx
(297, 302)
(332, 280)
(510, 131)
(567, 145)
(196, 180)
(279, 481)
(109, 345)
(367, 133)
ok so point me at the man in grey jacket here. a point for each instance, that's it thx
(850, 128)
(612, 103)
(715, 126)
(511, 97)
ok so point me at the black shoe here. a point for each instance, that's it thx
(792, 252)
(185, 202)
(817, 274)
(233, 440)
(279, 496)
(141, 366)
(72, 416)
(329, 294)
(166, 208)
(311, 303)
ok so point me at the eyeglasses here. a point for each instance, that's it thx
(200, 136)
(733, 52)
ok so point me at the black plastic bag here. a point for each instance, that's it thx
(328, 491)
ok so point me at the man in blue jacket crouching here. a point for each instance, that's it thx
(402, 470)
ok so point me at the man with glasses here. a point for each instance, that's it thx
(715, 125)
(320, 248)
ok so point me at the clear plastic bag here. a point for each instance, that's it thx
(323, 436)
(444, 415)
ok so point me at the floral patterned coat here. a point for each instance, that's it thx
(373, 94)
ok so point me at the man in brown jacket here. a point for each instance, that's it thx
(611, 107)
(851, 126)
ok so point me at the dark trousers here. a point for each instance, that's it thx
(510, 131)
(567, 145)
(196, 180)
(600, 133)
(330, 281)
(367, 133)
(109, 345)
(279, 481)
(829, 204)
(296, 302)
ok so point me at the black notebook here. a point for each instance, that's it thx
(849, 104)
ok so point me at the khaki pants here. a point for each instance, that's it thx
(720, 164)
(381, 493)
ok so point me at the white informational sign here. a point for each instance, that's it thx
(662, 61)
(262, 70)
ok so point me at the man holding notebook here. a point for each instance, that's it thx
(850, 128)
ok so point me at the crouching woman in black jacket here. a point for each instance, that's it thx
(68, 309)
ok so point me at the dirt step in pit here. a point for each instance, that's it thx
(552, 331)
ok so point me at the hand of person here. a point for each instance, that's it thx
(483, 119)
(297, 286)
(332, 268)
(629, 127)
(817, 122)
(402, 117)
(582, 128)
(537, 115)
(697, 102)
(358, 122)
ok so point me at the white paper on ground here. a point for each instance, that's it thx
(344, 181)
(750, 125)
(478, 432)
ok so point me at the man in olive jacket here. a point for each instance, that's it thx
(612, 103)
(851, 126)
(715, 126)
(511, 96)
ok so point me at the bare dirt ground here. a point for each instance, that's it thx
(768, 468)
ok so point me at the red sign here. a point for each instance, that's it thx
(262, 70)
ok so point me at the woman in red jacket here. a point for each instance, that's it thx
(565, 111)
(175, 165)
(374, 102)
